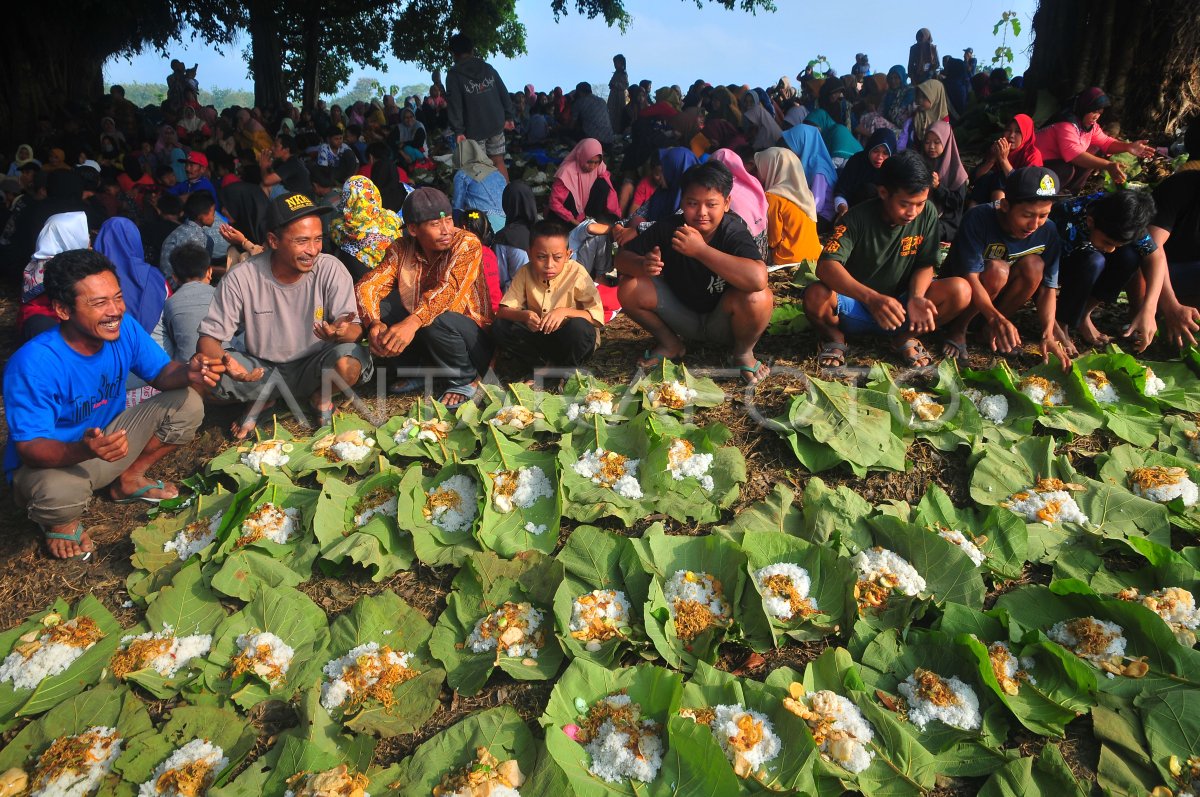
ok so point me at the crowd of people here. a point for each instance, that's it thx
(174, 255)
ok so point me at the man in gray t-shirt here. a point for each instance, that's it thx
(300, 316)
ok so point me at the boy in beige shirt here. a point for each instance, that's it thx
(551, 313)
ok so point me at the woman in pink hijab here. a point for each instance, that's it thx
(582, 188)
(748, 200)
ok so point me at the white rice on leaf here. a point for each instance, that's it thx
(50, 653)
(967, 546)
(1048, 502)
(194, 537)
(841, 732)
(931, 697)
(621, 743)
(198, 760)
(1042, 391)
(610, 469)
(991, 406)
(264, 654)
(75, 766)
(160, 651)
(683, 461)
(785, 590)
(746, 736)
(368, 670)
(1100, 388)
(1163, 485)
(454, 504)
(519, 489)
(696, 602)
(514, 629)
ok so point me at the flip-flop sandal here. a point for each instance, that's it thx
(405, 386)
(467, 391)
(140, 494)
(961, 354)
(749, 373)
(911, 351)
(650, 360)
(75, 537)
(835, 351)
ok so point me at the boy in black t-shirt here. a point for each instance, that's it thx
(1009, 252)
(876, 271)
(698, 276)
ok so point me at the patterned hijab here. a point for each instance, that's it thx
(366, 228)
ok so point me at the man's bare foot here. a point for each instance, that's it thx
(459, 395)
(127, 487)
(70, 540)
(1090, 335)
(245, 427)
(651, 358)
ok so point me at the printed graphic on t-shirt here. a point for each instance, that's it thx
(995, 252)
(909, 245)
(834, 243)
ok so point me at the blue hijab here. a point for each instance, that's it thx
(840, 142)
(806, 142)
(143, 285)
(665, 201)
(902, 97)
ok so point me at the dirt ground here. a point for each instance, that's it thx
(29, 581)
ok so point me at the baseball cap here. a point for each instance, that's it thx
(286, 208)
(198, 158)
(1031, 183)
(90, 164)
(425, 204)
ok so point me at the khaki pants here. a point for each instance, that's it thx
(53, 496)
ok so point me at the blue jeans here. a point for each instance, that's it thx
(854, 318)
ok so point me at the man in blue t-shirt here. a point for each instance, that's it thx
(64, 393)
(1009, 252)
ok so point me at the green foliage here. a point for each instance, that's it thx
(1004, 54)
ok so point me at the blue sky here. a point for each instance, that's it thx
(672, 41)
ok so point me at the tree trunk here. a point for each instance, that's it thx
(1142, 53)
(312, 57)
(44, 80)
(265, 62)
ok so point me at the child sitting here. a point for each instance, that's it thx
(476, 221)
(551, 313)
(186, 308)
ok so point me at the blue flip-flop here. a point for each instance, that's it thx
(140, 494)
(75, 537)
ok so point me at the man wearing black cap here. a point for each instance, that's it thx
(444, 307)
(1009, 252)
(298, 311)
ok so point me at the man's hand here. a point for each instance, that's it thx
(265, 160)
(1116, 172)
(532, 321)
(389, 341)
(653, 264)
(554, 319)
(841, 210)
(922, 315)
(623, 235)
(204, 372)
(108, 447)
(886, 311)
(1051, 344)
(1180, 324)
(237, 372)
(1003, 334)
(232, 235)
(334, 332)
(1142, 150)
(509, 125)
(1142, 330)
(688, 241)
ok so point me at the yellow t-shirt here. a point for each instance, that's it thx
(791, 234)
(573, 288)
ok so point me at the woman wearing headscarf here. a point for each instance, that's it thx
(949, 192)
(477, 183)
(618, 90)
(512, 243)
(840, 142)
(858, 181)
(716, 134)
(957, 83)
(411, 139)
(664, 202)
(899, 101)
(791, 207)
(365, 229)
(747, 199)
(932, 106)
(62, 232)
(1016, 149)
(834, 103)
(722, 105)
(582, 187)
(784, 89)
(760, 125)
(923, 58)
(1074, 145)
(142, 285)
(806, 142)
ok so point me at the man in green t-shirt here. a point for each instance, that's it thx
(876, 272)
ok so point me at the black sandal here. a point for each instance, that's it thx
(834, 352)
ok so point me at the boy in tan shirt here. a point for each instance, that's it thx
(551, 313)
